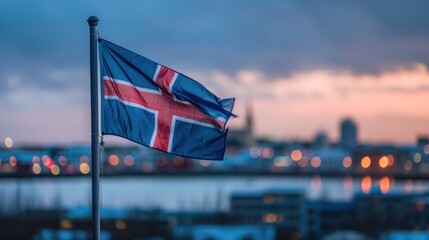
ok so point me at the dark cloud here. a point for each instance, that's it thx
(275, 37)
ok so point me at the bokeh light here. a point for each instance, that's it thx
(315, 162)
(55, 170)
(120, 225)
(113, 160)
(347, 162)
(408, 165)
(62, 160)
(13, 161)
(296, 155)
(366, 162)
(129, 160)
(37, 169)
(66, 224)
(270, 218)
(417, 157)
(8, 142)
(84, 168)
(383, 162)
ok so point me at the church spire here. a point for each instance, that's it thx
(249, 118)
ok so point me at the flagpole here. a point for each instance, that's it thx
(95, 129)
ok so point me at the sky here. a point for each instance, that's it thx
(303, 65)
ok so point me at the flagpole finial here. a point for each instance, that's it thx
(93, 21)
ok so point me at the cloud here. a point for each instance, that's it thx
(277, 38)
(305, 60)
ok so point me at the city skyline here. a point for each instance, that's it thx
(304, 66)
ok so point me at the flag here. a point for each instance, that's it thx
(157, 107)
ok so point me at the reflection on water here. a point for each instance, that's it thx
(408, 186)
(316, 181)
(180, 193)
(348, 183)
(385, 185)
(366, 184)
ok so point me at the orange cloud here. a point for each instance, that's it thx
(391, 106)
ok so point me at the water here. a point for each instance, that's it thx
(183, 193)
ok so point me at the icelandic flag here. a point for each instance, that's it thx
(160, 108)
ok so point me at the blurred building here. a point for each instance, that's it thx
(348, 131)
(321, 217)
(377, 212)
(242, 138)
(321, 141)
(280, 208)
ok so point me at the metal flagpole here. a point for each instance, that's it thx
(95, 129)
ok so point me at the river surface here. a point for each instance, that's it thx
(185, 193)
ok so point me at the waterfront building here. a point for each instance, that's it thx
(348, 134)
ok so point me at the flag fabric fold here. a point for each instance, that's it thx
(157, 107)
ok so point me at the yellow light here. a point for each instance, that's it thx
(8, 142)
(315, 162)
(67, 224)
(55, 170)
(383, 162)
(296, 155)
(121, 225)
(84, 168)
(366, 162)
(36, 168)
(113, 160)
(347, 162)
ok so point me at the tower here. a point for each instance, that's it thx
(243, 137)
(249, 119)
(348, 131)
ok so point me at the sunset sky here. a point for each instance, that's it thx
(303, 65)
